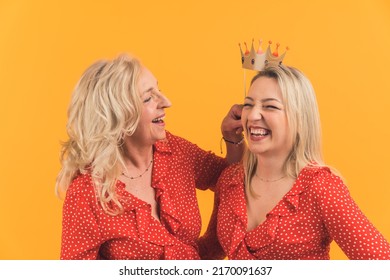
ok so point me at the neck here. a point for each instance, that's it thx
(270, 168)
(136, 154)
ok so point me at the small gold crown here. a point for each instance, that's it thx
(253, 60)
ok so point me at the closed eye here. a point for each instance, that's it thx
(147, 99)
(271, 107)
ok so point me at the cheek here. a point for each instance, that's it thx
(147, 114)
(280, 126)
(244, 118)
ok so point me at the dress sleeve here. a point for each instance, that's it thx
(209, 246)
(81, 237)
(207, 166)
(346, 223)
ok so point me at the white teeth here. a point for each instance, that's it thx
(259, 131)
(158, 119)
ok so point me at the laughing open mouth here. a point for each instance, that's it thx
(259, 131)
(158, 120)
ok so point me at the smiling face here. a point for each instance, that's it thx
(151, 126)
(265, 121)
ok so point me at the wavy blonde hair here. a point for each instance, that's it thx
(105, 107)
(303, 119)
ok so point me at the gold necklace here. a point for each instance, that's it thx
(139, 176)
(270, 181)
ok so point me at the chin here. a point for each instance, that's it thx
(256, 149)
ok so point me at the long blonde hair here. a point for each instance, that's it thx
(303, 120)
(104, 108)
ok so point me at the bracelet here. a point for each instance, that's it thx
(235, 143)
(231, 142)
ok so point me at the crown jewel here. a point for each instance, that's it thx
(258, 60)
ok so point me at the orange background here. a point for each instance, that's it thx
(192, 48)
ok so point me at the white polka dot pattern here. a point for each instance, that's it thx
(179, 167)
(317, 210)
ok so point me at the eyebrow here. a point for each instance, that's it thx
(150, 89)
(264, 99)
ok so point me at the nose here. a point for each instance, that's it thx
(163, 101)
(255, 114)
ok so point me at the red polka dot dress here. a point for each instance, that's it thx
(179, 167)
(317, 210)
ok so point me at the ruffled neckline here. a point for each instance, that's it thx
(170, 222)
(287, 206)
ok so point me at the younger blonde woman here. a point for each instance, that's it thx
(283, 202)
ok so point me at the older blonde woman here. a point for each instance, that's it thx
(130, 184)
(283, 202)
